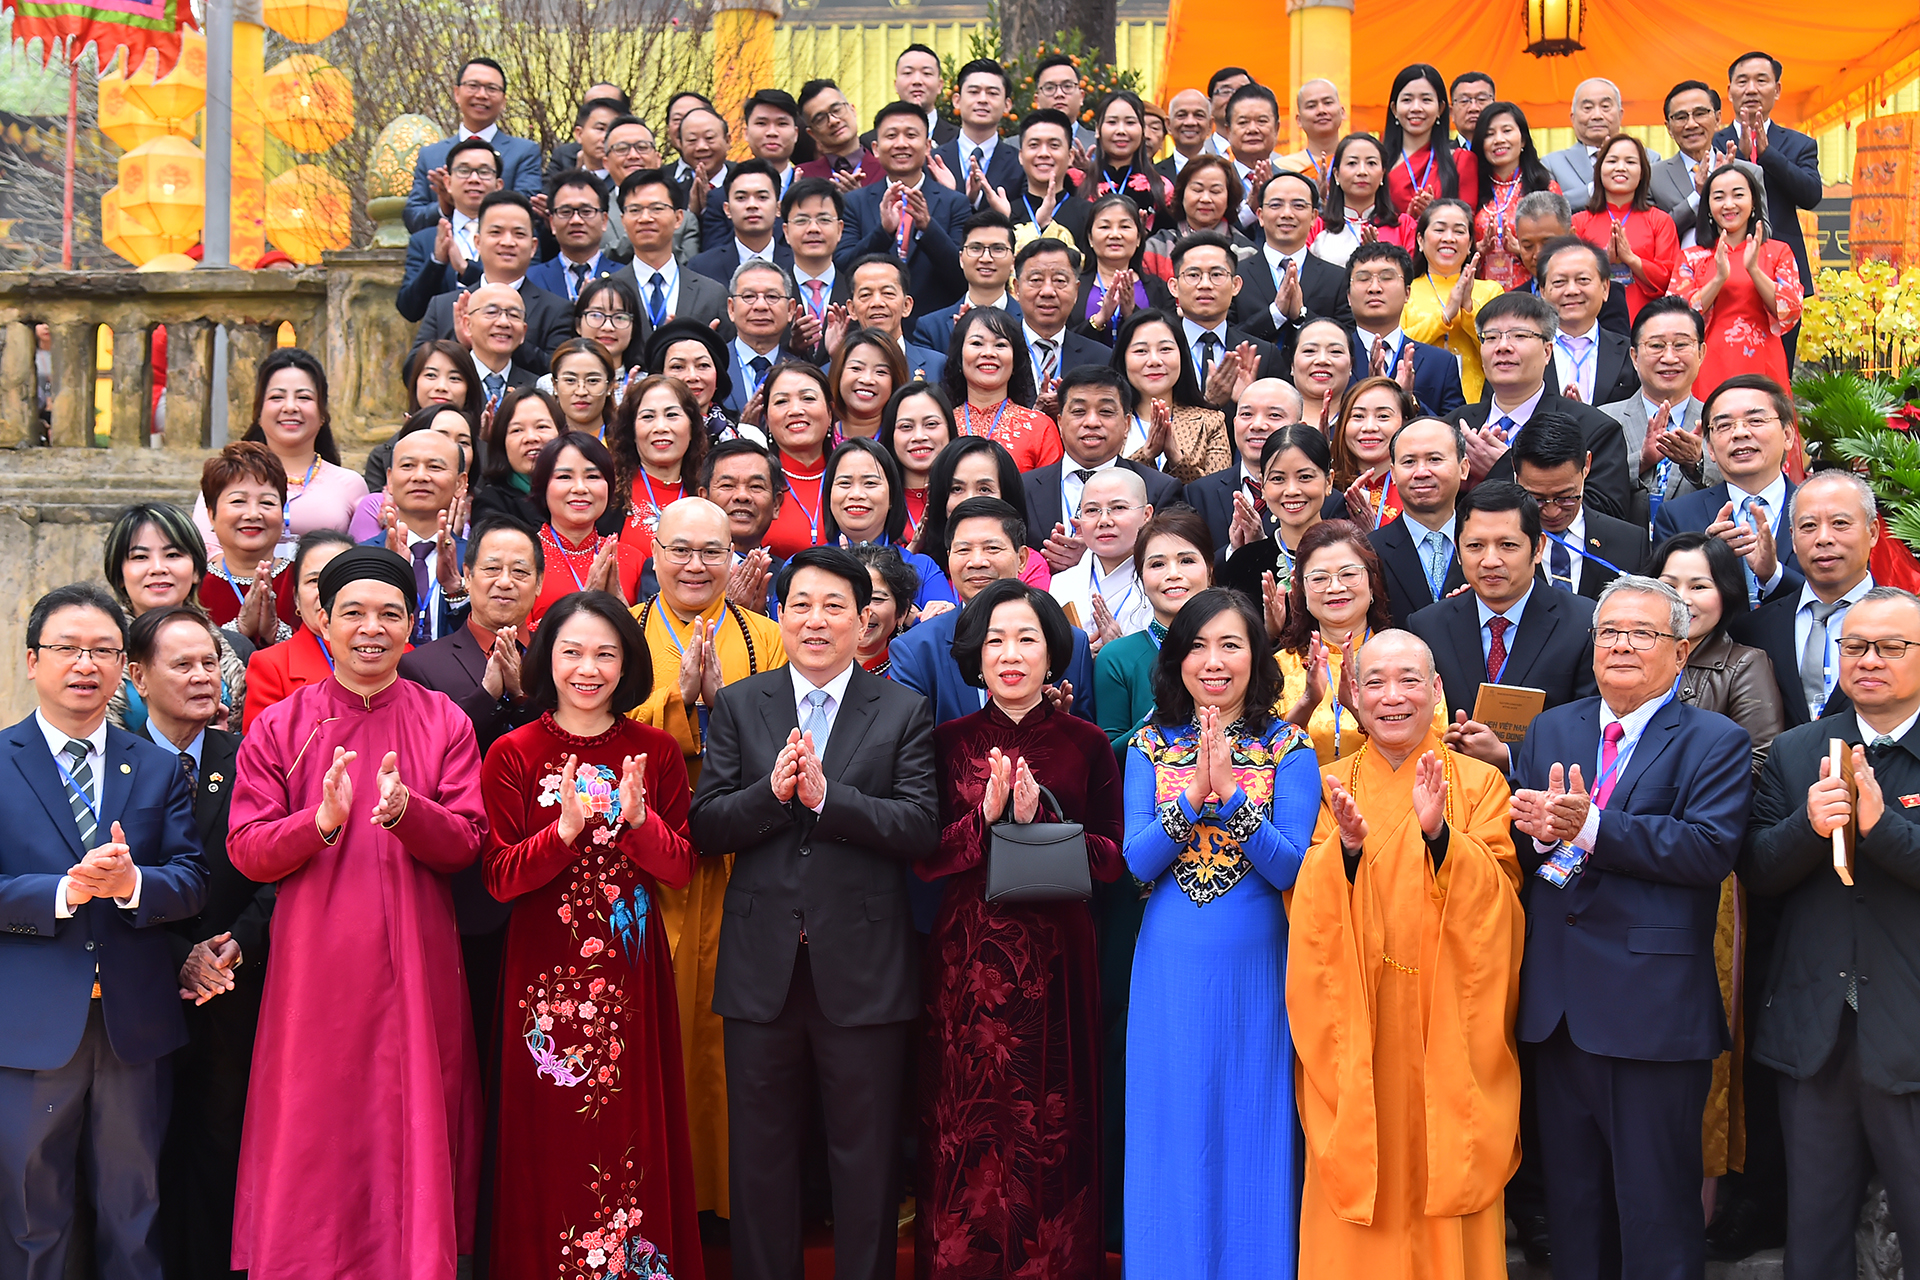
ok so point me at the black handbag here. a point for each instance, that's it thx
(1037, 861)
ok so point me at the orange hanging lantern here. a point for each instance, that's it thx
(163, 186)
(305, 21)
(129, 239)
(123, 121)
(173, 98)
(308, 212)
(1553, 27)
(308, 103)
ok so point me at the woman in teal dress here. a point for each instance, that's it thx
(1221, 803)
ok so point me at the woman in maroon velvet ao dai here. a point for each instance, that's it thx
(589, 818)
(1010, 1116)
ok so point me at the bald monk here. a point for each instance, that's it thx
(1403, 976)
(698, 642)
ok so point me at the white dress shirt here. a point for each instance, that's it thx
(1277, 264)
(826, 278)
(1395, 341)
(1564, 367)
(1576, 539)
(1521, 414)
(836, 691)
(465, 234)
(486, 135)
(747, 255)
(96, 741)
(966, 146)
(1898, 732)
(669, 279)
(1033, 354)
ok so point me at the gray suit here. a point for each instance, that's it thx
(1673, 190)
(1572, 168)
(1631, 414)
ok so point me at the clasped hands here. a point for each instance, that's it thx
(208, 970)
(1556, 815)
(105, 872)
(797, 773)
(336, 794)
(1828, 808)
(633, 797)
(1009, 777)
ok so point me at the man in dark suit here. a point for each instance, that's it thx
(917, 82)
(653, 209)
(1789, 159)
(446, 253)
(818, 975)
(1263, 408)
(986, 541)
(220, 954)
(1840, 999)
(1591, 357)
(1746, 423)
(1093, 429)
(1205, 284)
(425, 479)
(577, 215)
(1516, 340)
(1378, 277)
(772, 130)
(1628, 817)
(880, 297)
(101, 847)
(506, 251)
(1509, 628)
(753, 215)
(980, 95)
(1046, 283)
(812, 213)
(599, 107)
(986, 256)
(1585, 549)
(1283, 286)
(479, 94)
(1429, 460)
(760, 308)
(934, 217)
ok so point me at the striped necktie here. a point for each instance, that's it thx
(79, 780)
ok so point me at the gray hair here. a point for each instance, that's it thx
(1869, 507)
(1618, 100)
(761, 264)
(1638, 584)
(1876, 594)
(1536, 205)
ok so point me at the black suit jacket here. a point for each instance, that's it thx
(422, 279)
(1323, 290)
(1436, 374)
(1791, 164)
(549, 323)
(1158, 298)
(699, 299)
(1407, 589)
(1042, 487)
(1274, 363)
(234, 903)
(834, 882)
(1619, 543)
(1212, 496)
(1610, 483)
(1551, 649)
(944, 130)
(1077, 349)
(1770, 628)
(720, 262)
(1003, 168)
(1614, 378)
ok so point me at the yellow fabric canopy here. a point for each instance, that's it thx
(1644, 46)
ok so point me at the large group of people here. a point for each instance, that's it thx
(1268, 712)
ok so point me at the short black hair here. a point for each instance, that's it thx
(1046, 116)
(751, 168)
(592, 105)
(1724, 565)
(1173, 701)
(652, 178)
(946, 465)
(1303, 436)
(1095, 375)
(622, 121)
(175, 526)
(1010, 520)
(1459, 435)
(498, 522)
(1225, 73)
(895, 524)
(1253, 91)
(1381, 251)
(1518, 304)
(1686, 86)
(833, 560)
(1549, 440)
(461, 74)
(983, 66)
(1046, 244)
(735, 448)
(970, 631)
(1667, 304)
(812, 189)
(75, 595)
(812, 89)
(1749, 56)
(989, 218)
(585, 178)
(893, 109)
(636, 657)
(916, 47)
(505, 195)
(1781, 397)
(901, 579)
(145, 631)
(1203, 240)
(1552, 249)
(1053, 60)
(311, 541)
(1495, 496)
(475, 143)
(1468, 77)
(778, 99)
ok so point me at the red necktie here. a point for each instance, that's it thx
(1497, 648)
(1256, 494)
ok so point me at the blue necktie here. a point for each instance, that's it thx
(1748, 509)
(1559, 565)
(815, 721)
(1506, 430)
(657, 300)
(1434, 556)
(576, 280)
(79, 782)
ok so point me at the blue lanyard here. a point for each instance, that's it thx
(80, 791)
(1580, 363)
(1826, 660)
(325, 652)
(1574, 549)
(1157, 634)
(1099, 587)
(1433, 153)
(1626, 746)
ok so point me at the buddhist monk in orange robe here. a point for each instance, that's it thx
(1403, 978)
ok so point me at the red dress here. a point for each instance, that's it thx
(222, 596)
(650, 497)
(1496, 217)
(594, 1169)
(1027, 434)
(1416, 168)
(1650, 234)
(796, 525)
(1741, 336)
(1010, 1180)
(569, 565)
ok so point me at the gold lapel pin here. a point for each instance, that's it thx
(215, 777)
(126, 768)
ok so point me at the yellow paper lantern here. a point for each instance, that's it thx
(308, 212)
(305, 21)
(1553, 27)
(170, 262)
(309, 103)
(129, 239)
(120, 119)
(172, 98)
(163, 186)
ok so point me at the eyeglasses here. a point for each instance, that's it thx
(74, 653)
(1212, 275)
(464, 171)
(482, 86)
(1058, 89)
(711, 557)
(1890, 650)
(494, 311)
(592, 382)
(620, 149)
(1679, 347)
(607, 319)
(1639, 638)
(1510, 337)
(825, 114)
(1757, 420)
(977, 250)
(1118, 510)
(658, 209)
(804, 221)
(1351, 575)
(1564, 501)
(771, 299)
(1699, 115)
(575, 212)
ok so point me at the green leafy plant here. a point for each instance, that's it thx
(1871, 424)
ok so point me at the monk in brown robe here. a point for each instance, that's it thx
(1403, 977)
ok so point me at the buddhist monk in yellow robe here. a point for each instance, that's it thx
(1403, 979)
(721, 643)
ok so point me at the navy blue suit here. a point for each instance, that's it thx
(1693, 512)
(447, 618)
(422, 279)
(1436, 376)
(720, 262)
(935, 329)
(933, 259)
(922, 661)
(551, 275)
(1003, 166)
(742, 388)
(66, 1057)
(1618, 989)
(519, 171)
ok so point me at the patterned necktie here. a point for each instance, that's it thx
(79, 782)
(1496, 648)
(816, 298)
(1048, 351)
(815, 721)
(192, 774)
(1609, 757)
(903, 240)
(576, 280)
(1754, 510)
(657, 300)
(1255, 493)
(1813, 657)
(1432, 556)
(1209, 351)
(1559, 566)
(495, 383)
(423, 582)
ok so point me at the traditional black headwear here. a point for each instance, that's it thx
(378, 563)
(692, 331)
